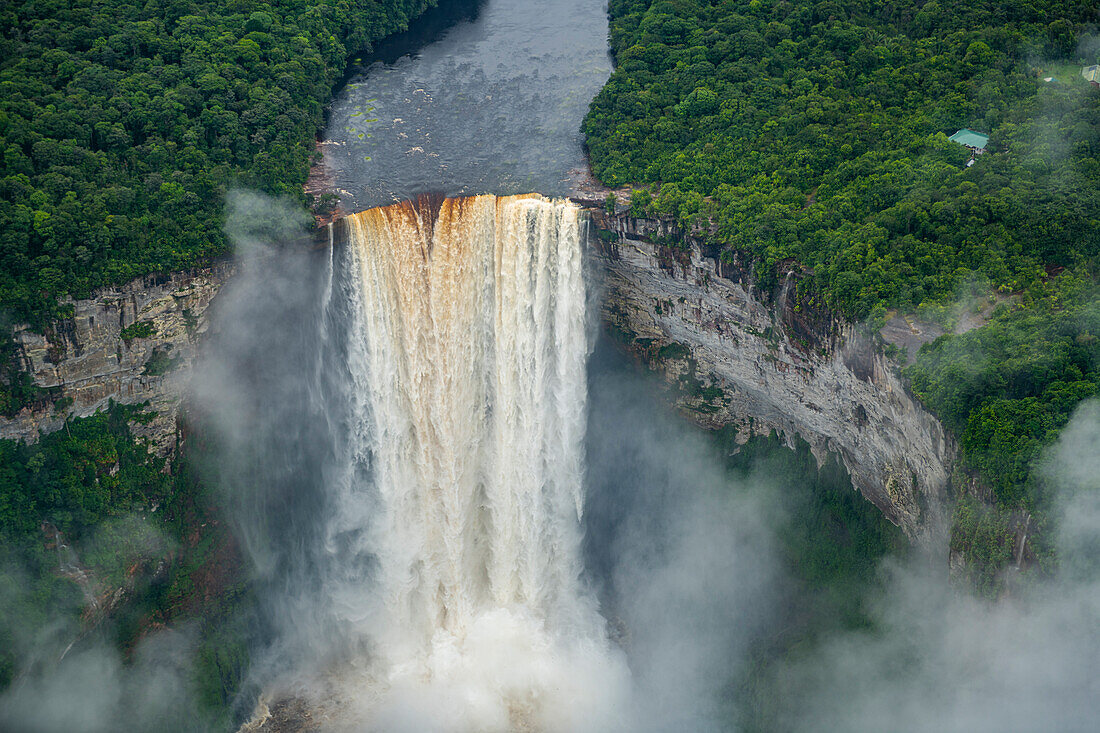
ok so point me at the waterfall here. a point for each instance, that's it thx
(467, 354)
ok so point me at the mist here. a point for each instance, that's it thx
(92, 689)
(938, 658)
(680, 558)
(69, 673)
(684, 555)
(268, 410)
(679, 565)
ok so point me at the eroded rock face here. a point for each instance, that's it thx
(131, 344)
(735, 354)
(763, 361)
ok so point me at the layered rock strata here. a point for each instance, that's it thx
(735, 354)
(132, 344)
(764, 359)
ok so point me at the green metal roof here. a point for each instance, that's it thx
(970, 138)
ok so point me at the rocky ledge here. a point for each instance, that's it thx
(764, 359)
(131, 344)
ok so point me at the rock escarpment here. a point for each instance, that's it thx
(131, 344)
(735, 354)
(768, 359)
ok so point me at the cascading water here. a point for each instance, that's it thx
(466, 360)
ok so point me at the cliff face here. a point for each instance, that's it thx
(132, 343)
(763, 361)
(734, 355)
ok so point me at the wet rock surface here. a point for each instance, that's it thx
(287, 715)
(764, 359)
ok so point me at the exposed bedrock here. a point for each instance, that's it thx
(735, 355)
(768, 359)
(133, 343)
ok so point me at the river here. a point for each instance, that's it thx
(476, 98)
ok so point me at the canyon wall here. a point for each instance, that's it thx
(734, 354)
(133, 343)
(764, 359)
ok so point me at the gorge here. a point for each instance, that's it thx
(674, 306)
(484, 445)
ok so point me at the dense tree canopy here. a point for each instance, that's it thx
(76, 477)
(1006, 389)
(63, 489)
(818, 131)
(122, 123)
(89, 510)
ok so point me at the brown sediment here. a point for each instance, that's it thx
(428, 207)
(428, 213)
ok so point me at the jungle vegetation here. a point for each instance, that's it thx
(122, 124)
(1005, 390)
(89, 512)
(817, 134)
(831, 543)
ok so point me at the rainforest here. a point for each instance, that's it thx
(493, 365)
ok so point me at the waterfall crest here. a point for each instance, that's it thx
(467, 358)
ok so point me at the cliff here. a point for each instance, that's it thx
(133, 343)
(763, 359)
(735, 354)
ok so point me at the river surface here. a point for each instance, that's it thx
(491, 104)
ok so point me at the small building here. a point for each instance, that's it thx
(1092, 74)
(976, 141)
